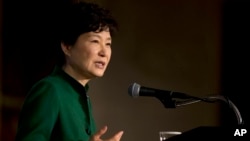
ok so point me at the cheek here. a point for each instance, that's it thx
(109, 54)
(80, 56)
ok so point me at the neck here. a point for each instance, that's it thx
(74, 74)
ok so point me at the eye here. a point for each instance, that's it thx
(108, 44)
(94, 41)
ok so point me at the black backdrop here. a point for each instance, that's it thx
(235, 64)
(29, 31)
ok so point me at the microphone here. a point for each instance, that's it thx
(136, 90)
(166, 97)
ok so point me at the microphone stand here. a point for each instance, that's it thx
(170, 102)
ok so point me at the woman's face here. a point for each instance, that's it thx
(90, 55)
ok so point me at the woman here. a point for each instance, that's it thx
(57, 107)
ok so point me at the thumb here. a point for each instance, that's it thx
(99, 133)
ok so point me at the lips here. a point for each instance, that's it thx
(100, 64)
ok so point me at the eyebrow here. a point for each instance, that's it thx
(98, 36)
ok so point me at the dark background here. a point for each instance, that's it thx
(235, 55)
(28, 48)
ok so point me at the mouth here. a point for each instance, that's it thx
(100, 64)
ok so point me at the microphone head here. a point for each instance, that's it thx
(134, 90)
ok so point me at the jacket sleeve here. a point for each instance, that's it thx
(39, 113)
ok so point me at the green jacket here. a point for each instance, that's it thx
(57, 108)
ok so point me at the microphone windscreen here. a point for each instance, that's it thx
(134, 90)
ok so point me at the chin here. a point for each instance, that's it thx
(99, 74)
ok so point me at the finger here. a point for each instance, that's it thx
(99, 133)
(117, 136)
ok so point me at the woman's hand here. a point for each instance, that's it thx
(102, 131)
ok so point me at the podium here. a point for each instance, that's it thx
(210, 133)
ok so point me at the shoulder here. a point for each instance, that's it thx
(50, 82)
(45, 88)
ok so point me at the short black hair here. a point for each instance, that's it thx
(83, 17)
(79, 18)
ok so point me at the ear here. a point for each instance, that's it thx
(65, 48)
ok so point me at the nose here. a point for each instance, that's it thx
(103, 50)
(102, 53)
